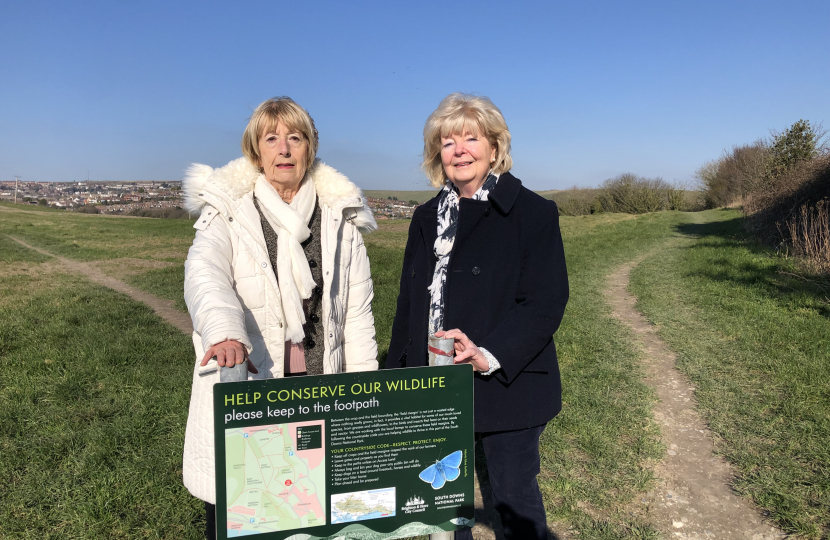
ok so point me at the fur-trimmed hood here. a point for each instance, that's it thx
(239, 177)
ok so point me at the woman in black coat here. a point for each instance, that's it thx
(484, 265)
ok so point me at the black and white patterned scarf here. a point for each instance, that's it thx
(447, 227)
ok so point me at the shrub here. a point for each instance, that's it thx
(576, 201)
(626, 194)
(769, 208)
(675, 199)
(574, 206)
(784, 185)
(88, 209)
(809, 235)
(631, 194)
(694, 201)
(738, 172)
(796, 178)
(798, 143)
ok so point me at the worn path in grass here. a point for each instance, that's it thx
(692, 498)
(163, 308)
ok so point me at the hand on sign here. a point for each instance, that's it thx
(228, 353)
(466, 351)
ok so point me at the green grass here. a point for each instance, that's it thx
(167, 283)
(89, 237)
(92, 439)
(11, 251)
(31, 207)
(597, 454)
(101, 442)
(94, 391)
(385, 247)
(753, 337)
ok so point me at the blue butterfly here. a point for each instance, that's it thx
(445, 470)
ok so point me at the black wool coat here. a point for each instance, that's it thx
(507, 286)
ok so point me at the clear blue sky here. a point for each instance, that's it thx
(138, 90)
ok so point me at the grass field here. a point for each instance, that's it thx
(94, 388)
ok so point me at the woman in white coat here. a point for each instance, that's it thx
(278, 274)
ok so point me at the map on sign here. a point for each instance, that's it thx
(362, 505)
(276, 477)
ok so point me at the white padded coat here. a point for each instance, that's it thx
(231, 290)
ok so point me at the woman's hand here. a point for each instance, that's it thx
(228, 353)
(466, 351)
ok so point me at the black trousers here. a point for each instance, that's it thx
(512, 464)
(210, 521)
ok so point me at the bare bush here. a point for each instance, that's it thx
(809, 235)
(706, 176)
(632, 194)
(784, 187)
(575, 207)
(771, 206)
(577, 201)
(738, 172)
(628, 193)
(675, 199)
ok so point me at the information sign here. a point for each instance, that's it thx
(371, 455)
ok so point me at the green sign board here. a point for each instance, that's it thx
(374, 455)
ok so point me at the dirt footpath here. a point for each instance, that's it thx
(692, 498)
(163, 308)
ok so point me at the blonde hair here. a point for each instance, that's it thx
(459, 114)
(265, 119)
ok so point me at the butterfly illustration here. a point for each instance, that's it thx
(445, 470)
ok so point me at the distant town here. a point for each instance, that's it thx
(139, 198)
(391, 208)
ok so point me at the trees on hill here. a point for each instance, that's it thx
(746, 169)
(783, 185)
(798, 143)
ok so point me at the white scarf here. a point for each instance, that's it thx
(290, 222)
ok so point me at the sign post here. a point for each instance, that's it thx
(377, 454)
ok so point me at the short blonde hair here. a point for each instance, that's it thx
(267, 116)
(458, 114)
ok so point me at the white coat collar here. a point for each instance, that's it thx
(238, 178)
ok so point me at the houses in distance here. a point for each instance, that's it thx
(122, 197)
(109, 197)
(391, 208)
